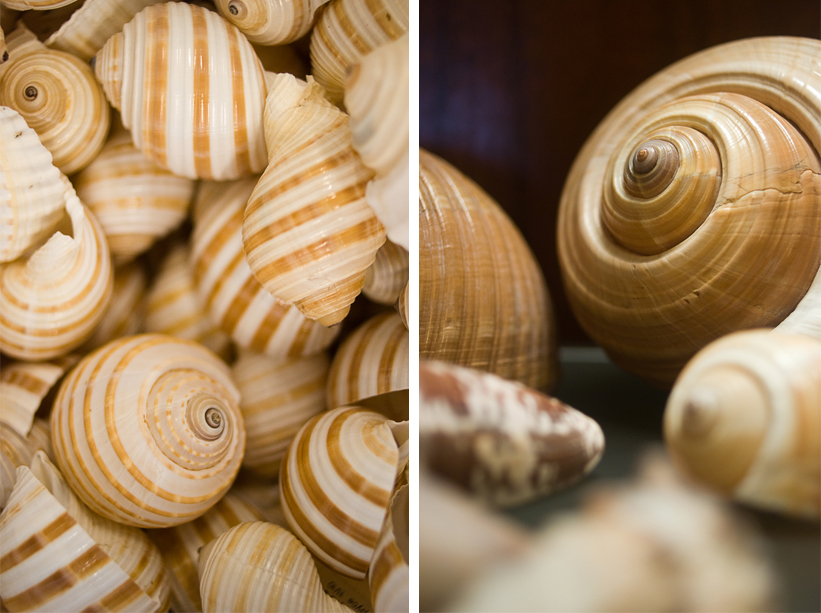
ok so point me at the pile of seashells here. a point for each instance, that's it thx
(189, 418)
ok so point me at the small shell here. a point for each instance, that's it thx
(372, 360)
(278, 397)
(389, 574)
(271, 22)
(234, 299)
(58, 97)
(126, 311)
(402, 305)
(307, 232)
(147, 430)
(336, 481)
(185, 67)
(388, 275)
(505, 443)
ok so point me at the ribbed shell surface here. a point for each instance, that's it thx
(271, 22)
(147, 430)
(23, 385)
(232, 296)
(388, 275)
(191, 90)
(389, 574)
(336, 483)
(126, 310)
(373, 360)
(17, 448)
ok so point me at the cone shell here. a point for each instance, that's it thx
(389, 574)
(307, 232)
(58, 556)
(373, 360)
(126, 311)
(147, 430)
(233, 298)
(348, 30)
(744, 418)
(136, 201)
(51, 302)
(388, 275)
(195, 109)
(477, 274)
(278, 397)
(271, 23)
(58, 97)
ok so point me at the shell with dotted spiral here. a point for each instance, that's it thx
(693, 210)
(147, 430)
(271, 22)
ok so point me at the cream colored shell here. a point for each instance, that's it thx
(24, 385)
(403, 305)
(389, 573)
(36, 5)
(388, 275)
(147, 430)
(271, 22)
(190, 89)
(126, 310)
(17, 448)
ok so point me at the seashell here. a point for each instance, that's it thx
(147, 430)
(263, 497)
(271, 22)
(4, 52)
(51, 301)
(18, 449)
(389, 574)
(36, 5)
(233, 298)
(180, 547)
(388, 275)
(307, 232)
(693, 211)
(336, 483)
(215, 88)
(136, 201)
(483, 302)
(173, 306)
(349, 29)
(373, 360)
(258, 567)
(31, 188)
(403, 305)
(58, 97)
(126, 311)
(744, 418)
(505, 443)
(59, 556)
(278, 397)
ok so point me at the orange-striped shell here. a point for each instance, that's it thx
(271, 22)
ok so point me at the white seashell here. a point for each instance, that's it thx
(271, 22)
(388, 275)
(147, 430)
(184, 66)
(389, 573)
(125, 312)
(387, 195)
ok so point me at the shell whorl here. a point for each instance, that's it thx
(172, 397)
(388, 275)
(275, 22)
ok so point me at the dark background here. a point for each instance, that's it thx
(509, 90)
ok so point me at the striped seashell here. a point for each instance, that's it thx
(389, 574)
(373, 360)
(125, 312)
(307, 232)
(271, 22)
(183, 65)
(136, 201)
(348, 30)
(234, 299)
(403, 305)
(32, 190)
(51, 301)
(18, 449)
(58, 97)
(260, 567)
(36, 5)
(388, 275)
(59, 556)
(180, 547)
(147, 430)
(264, 497)
(278, 397)
(173, 306)
(336, 484)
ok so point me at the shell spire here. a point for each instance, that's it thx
(271, 22)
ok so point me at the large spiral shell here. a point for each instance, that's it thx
(191, 90)
(271, 22)
(147, 430)
(483, 302)
(693, 210)
(308, 234)
(58, 97)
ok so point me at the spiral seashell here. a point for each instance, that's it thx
(278, 397)
(136, 201)
(233, 298)
(388, 275)
(181, 545)
(744, 418)
(373, 360)
(274, 22)
(173, 306)
(307, 232)
(51, 301)
(349, 29)
(183, 65)
(403, 305)
(125, 312)
(478, 276)
(58, 97)
(389, 574)
(147, 430)
(693, 211)
(59, 556)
